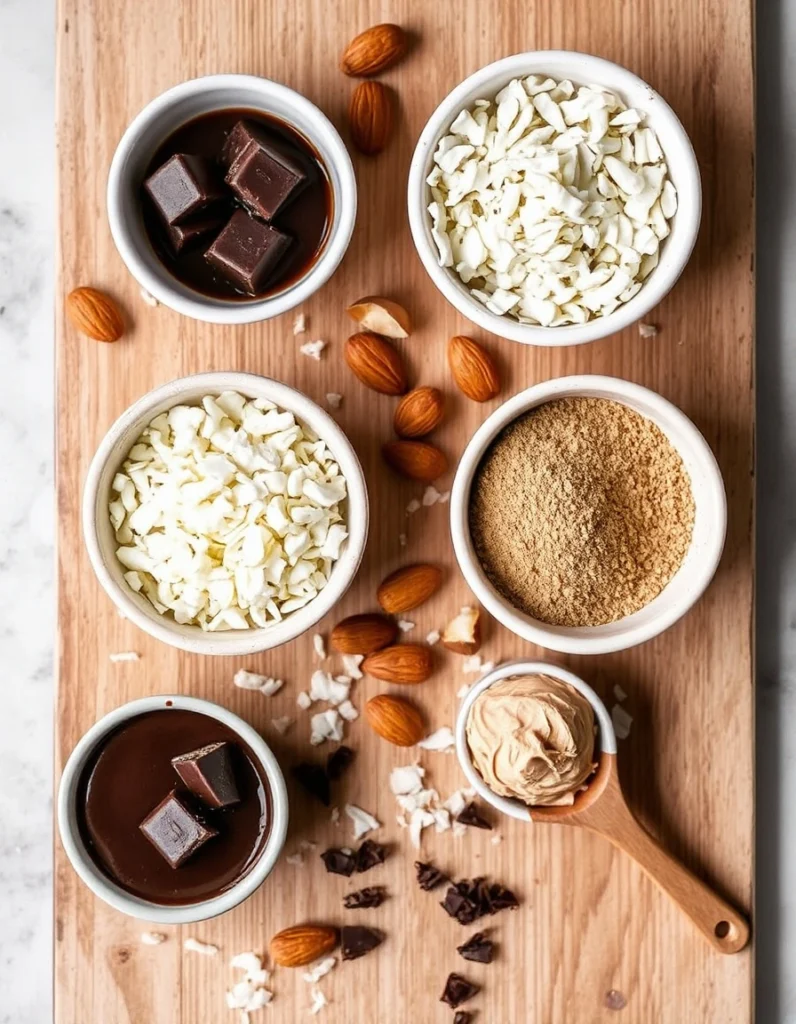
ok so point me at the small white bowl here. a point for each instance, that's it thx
(101, 542)
(101, 885)
(582, 69)
(163, 116)
(699, 564)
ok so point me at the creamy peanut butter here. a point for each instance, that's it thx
(532, 738)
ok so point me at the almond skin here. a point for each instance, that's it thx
(302, 944)
(376, 363)
(382, 316)
(473, 369)
(416, 460)
(419, 412)
(401, 663)
(363, 634)
(370, 117)
(95, 314)
(462, 635)
(374, 50)
(408, 588)
(395, 720)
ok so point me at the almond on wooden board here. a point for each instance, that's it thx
(419, 412)
(382, 316)
(462, 635)
(302, 944)
(363, 634)
(95, 314)
(395, 720)
(408, 587)
(370, 117)
(473, 369)
(416, 460)
(401, 663)
(376, 363)
(374, 50)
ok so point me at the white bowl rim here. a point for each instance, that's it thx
(100, 884)
(236, 643)
(654, 288)
(574, 641)
(515, 808)
(238, 311)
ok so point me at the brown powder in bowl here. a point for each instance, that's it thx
(581, 512)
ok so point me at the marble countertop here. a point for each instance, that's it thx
(26, 524)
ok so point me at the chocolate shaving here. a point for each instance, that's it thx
(428, 877)
(478, 948)
(474, 897)
(502, 898)
(338, 762)
(472, 816)
(314, 779)
(364, 899)
(369, 855)
(462, 1017)
(338, 862)
(459, 906)
(458, 990)
(357, 940)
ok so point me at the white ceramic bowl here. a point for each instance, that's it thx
(101, 542)
(134, 906)
(582, 69)
(156, 122)
(699, 564)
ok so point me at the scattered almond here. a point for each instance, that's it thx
(408, 588)
(395, 720)
(302, 944)
(383, 316)
(401, 663)
(473, 369)
(376, 363)
(416, 460)
(363, 634)
(374, 50)
(462, 635)
(419, 412)
(95, 314)
(370, 117)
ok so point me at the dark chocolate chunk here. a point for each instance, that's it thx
(477, 948)
(357, 940)
(369, 855)
(428, 877)
(175, 829)
(247, 251)
(475, 897)
(262, 173)
(365, 899)
(458, 990)
(339, 761)
(472, 816)
(314, 779)
(188, 235)
(462, 1017)
(209, 774)
(183, 186)
(459, 906)
(338, 862)
(501, 898)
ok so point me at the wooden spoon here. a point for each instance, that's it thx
(601, 808)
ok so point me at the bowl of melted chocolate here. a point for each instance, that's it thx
(172, 809)
(231, 198)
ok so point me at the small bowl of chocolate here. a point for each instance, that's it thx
(231, 198)
(172, 809)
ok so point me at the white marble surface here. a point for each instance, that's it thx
(26, 522)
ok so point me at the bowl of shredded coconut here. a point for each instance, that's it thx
(554, 198)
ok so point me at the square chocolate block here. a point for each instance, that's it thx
(188, 235)
(183, 186)
(262, 173)
(175, 830)
(247, 251)
(209, 774)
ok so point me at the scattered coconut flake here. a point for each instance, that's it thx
(459, 829)
(195, 946)
(486, 667)
(463, 690)
(282, 724)
(296, 859)
(472, 665)
(335, 816)
(351, 663)
(326, 725)
(407, 779)
(444, 497)
(619, 693)
(319, 1000)
(319, 645)
(249, 994)
(300, 323)
(148, 298)
(313, 349)
(418, 820)
(333, 400)
(124, 656)
(363, 822)
(307, 844)
(266, 685)
(405, 625)
(622, 721)
(430, 496)
(496, 839)
(348, 711)
(412, 507)
(432, 637)
(152, 938)
(442, 819)
(304, 700)
(402, 539)
(251, 964)
(319, 970)
(647, 330)
(441, 740)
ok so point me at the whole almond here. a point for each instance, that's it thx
(363, 634)
(409, 587)
(419, 412)
(401, 663)
(95, 314)
(382, 316)
(370, 117)
(473, 369)
(395, 720)
(302, 944)
(417, 460)
(377, 364)
(374, 50)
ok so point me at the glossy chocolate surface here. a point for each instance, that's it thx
(130, 773)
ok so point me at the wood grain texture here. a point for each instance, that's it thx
(590, 920)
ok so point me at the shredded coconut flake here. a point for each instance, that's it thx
(412, 507)
(152, 938)
(125, 656)
(333, 400)
(441, 740)
(319, 645)
(405, 625)
(303, 700)
(195, 946)
(647, 330)
(319, 970)
(619, 693)
(622, 721)
(281, 725)
(363, 822)
(313, 349)
(433, 637)
(300, 324)
(431, 496)
(351, 663)
(319, 1000)
(148, 298)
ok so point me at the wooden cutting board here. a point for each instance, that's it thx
(589, 921)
